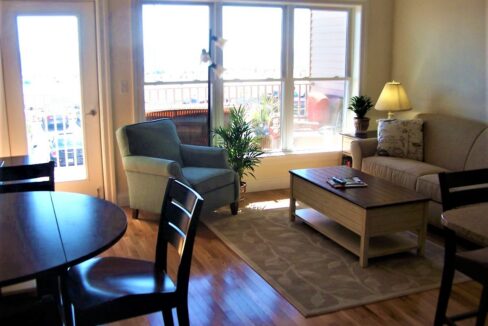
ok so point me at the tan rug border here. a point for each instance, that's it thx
(314, 312)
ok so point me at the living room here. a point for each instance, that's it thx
(435, 48)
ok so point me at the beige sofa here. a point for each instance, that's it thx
(450, 144)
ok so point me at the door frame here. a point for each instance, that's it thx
(107, 138)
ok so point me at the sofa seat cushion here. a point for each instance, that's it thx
(204, 180)
(400, 171)
(428, 185)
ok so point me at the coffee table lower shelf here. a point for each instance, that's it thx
(378, 246)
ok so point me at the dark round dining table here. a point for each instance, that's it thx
(42, 233)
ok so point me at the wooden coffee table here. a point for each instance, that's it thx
(370, 221)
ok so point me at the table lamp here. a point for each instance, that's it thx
(393, 98)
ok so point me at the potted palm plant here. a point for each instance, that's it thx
(241, 143)
(360, 105)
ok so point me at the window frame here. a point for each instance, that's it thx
(351, 79)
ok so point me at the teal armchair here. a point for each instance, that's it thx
(152, 153)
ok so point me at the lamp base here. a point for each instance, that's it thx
(391, 116)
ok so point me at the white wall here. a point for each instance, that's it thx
(440, 55)
(4, 140)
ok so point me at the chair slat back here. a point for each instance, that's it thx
(30, 177)
(463, 188)
(179, 218)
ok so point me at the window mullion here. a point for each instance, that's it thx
(217, 92)
(287, 77)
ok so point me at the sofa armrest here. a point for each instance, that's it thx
(152, 165)
(204, 156)
(362, 148)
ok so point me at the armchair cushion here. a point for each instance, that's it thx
(157, 138)
(204, 180)
(203, 156)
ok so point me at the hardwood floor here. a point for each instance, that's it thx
(224, 290)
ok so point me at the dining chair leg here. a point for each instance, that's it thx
(447, 278)
(481, 317)
(66, 304)
(168, 317)
(182, 312)
(135, 213)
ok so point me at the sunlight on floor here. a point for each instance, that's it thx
(271, 204)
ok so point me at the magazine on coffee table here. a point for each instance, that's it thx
(353, 182)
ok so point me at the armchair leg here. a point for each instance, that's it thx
(234, 207)
(135, 213)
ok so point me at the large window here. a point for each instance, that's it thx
(290, 67)
(252, 59)
(175, 83)
(320, 78)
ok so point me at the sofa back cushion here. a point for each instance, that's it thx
(448, 139)
(478, 155)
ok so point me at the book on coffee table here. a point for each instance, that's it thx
(353, 182)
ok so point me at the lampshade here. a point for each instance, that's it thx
(393, 98)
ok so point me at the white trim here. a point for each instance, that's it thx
(105, 100)
(138, 61)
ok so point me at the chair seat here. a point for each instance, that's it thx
(474, 263)
(120, 282)
(204, 180)
(469, 222)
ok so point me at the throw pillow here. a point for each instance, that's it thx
(401, 138)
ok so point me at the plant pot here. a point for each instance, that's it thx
(242, 190)
(361, 125)
(265, 142)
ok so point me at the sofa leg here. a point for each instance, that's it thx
(135, 213)
(234, 207)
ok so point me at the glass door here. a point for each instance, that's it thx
(52, 90)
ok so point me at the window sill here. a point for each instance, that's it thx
(301, 152)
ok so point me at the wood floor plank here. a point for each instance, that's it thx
(224, 290)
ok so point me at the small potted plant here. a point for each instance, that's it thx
(241, 143)
(261, 116)
(360, 105)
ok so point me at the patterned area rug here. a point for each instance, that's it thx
(313, 273)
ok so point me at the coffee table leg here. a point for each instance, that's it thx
(292, 201)
(292, 209)
(421, 235)
(363, 251)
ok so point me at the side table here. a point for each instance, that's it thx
(347, 138)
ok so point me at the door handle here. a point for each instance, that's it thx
(92, 112)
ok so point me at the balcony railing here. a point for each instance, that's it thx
(187, 105)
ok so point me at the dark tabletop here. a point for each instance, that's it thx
(378, 193)
(44, 232)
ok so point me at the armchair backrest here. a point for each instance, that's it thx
(155, 138)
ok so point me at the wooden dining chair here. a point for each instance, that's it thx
(29, 177)
(465, 213)
(108, 289)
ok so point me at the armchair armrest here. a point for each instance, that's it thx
(152, 165)
(362, 148)
(204, 156)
